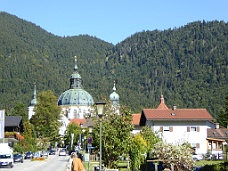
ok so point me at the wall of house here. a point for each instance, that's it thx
(177, 132)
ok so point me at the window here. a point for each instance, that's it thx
(75, 114)
(166, 128)
(195, 145)
(193, 129)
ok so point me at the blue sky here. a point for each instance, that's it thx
(113, 20)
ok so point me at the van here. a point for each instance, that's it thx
(6, 155)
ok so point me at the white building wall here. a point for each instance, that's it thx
(76, 112)
(180, 133)
(64, 121)
(30, 112)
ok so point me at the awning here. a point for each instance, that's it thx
(215, 139)
(7, 140)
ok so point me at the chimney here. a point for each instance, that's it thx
(216, 125)
(174, 107)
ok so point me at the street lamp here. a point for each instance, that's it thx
(83, 139)
(89, 144)
(80, 136)
(100, 112)
(72, 138)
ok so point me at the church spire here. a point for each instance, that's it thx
(114, 97)
(162, 104)
(75, 64)
(114, 87)
(33, 102)
(75, 80)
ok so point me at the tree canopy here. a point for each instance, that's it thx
(187, 64)
(47, 115)
(116, 131)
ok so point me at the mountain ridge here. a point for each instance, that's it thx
(188, 65)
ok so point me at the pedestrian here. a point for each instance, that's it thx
(77, 164)
(69, 163)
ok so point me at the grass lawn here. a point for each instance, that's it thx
(208, 162)
(122, 165)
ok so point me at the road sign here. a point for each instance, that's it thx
(90, 140)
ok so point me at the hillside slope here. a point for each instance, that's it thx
(188, 65)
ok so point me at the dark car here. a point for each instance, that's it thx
(52, 152)
(29, 155)
(18, 158)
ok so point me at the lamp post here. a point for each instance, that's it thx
(80, 136)
(100, 112)
(72, 138)
(83, 138)
(89, 144)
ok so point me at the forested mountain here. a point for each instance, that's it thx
(188, 65)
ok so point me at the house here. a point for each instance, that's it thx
(179, 125)
(216, 140)
(14, 124)
(13, 128)
(136, 122)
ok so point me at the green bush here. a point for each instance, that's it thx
(216, 167)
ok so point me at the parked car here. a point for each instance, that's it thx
(37, 154)
(44, 154)
(52, 152)
(6, 160)
(18, 158)
(62, 152)
(28, 155)
(197, 157)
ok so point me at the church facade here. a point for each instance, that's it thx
(75, 102)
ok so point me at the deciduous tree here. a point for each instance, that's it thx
(180, 156)
(116, 132)
(47, 116)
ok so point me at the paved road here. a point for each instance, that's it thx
(52, 163)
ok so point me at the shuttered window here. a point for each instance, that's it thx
(198, 129)
(170, 129)
(188, 129)
(161, 128)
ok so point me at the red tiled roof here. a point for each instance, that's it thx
(219, 133)
(177, 114)
(136, 118)
(77, 121)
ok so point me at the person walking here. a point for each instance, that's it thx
(69, 163)
(77, 164)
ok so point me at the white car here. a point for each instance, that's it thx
(62, 152)
(197, 157)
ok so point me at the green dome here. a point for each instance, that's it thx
(114, 97)
(75, 97)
